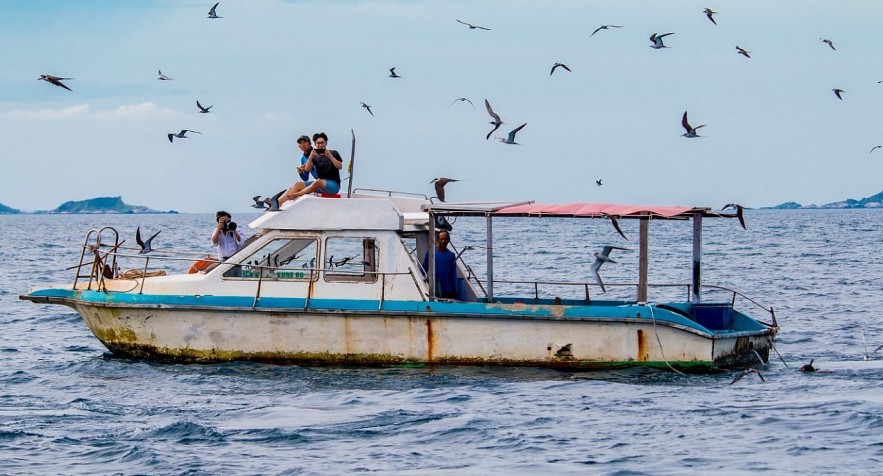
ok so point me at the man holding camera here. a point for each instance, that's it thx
(225, 236)
(326, 163)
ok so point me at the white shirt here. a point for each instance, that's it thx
(227, 244)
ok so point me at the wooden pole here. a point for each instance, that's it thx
(643, 259)
(697, 258)
(349, 188)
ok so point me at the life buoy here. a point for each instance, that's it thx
(201, 265)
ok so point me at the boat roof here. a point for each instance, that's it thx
(379, 212)
(571, 210)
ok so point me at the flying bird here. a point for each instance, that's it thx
(162, 77)
(557, 65)
(181, 135)
(742, 51)
(203, 109)
(616, 227)
(440, 183)
(868, 355)
(145, 245)
(829, 43)
(368, 108)
(473, 27)
(511, 138)
(837, 92)
(461, 100)
(604, 27)
(213, 12)
(54, 80)
(496, 119)
(709, 14)
(258, 203)
(656, 39)
(746, 372)
(392, 73)
(739, 213)
(875, 148)
(691, 131)
(600, 259)
(598, 182)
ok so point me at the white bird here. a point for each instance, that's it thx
(691, 131)
(258, 202)
(203, 109)
(829, 43)
(213, 12)
(496, 119)
(604, 27)
(600, 259)
(875, 148)
(511, 138)
(868, 355)
(162, 77)
(709, 14)
(473, 27)
(656, 39)
(368, 108)
(392, 73)
(145, 245)
(461, 100)
(181, 135)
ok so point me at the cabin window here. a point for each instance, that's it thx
(350, 259)
(283, 259)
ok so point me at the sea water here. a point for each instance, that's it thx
(67, 406)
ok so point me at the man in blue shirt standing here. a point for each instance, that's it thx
(445, 267)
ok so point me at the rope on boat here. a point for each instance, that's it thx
(773, 345)
(659, 341)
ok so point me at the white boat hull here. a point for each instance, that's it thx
(365, 338)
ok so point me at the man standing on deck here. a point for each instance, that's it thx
(445, 267)
(327, 164)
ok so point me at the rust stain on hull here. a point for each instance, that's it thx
(430, 341)
(642, 347)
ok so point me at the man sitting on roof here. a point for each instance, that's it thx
(327, 164)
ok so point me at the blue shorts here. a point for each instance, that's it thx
(331, 187)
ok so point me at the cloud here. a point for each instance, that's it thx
(50, 114)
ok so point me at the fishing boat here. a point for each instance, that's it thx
(340, 281)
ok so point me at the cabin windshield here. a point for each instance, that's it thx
(282, 259)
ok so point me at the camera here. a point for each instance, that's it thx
(230, 226)
(320, 151)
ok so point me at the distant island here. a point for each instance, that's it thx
(874, 201)
(100, 205)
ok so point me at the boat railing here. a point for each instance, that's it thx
(390, 193)
(102, 256)
(687, 287)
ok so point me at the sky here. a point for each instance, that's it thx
(273, 70)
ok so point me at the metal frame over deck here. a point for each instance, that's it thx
(612, 212)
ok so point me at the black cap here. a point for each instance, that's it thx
(303, 138)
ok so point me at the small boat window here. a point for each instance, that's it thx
(350, 259)
(280, 259)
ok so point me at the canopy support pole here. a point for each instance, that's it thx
(643, 259)
(489, 246)
(430, 273)
(697, 258)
